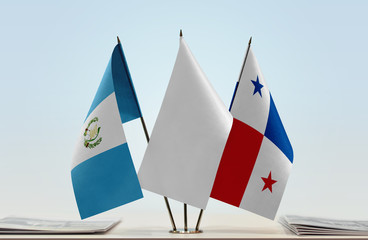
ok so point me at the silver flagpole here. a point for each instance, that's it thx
(241, 73)
(147, 138)
(185, 205)
(199, 220)
(165, 198)
(185, 218)
(170, 213)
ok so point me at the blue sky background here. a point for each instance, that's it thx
(313, 55)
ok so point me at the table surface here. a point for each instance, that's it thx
(219, 226)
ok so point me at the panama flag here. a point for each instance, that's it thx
(188, 137)
(103, 173)
(258, 156)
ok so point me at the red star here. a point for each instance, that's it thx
(268, 182)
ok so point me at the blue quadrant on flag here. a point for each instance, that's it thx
(275, 131)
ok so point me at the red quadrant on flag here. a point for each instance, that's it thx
(237, 162)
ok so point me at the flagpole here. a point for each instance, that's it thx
(147, 138)
(165, 198)
(199, 220)
(170, 213)
(185, 205)
(185, 218)
(241, 73)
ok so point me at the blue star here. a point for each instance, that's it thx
(257, 87)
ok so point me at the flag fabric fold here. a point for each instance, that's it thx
(103, 174)
(188, 138)
(258, 155)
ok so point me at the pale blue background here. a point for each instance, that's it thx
(313, 55)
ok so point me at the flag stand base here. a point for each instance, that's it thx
(182, 231)
(185, 230)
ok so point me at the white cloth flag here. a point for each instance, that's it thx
(188, 138)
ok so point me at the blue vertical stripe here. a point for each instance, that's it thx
(105, 181)
(125, 93)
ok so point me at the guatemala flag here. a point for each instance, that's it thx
(103, 173)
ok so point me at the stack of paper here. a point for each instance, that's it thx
(42, 226)
(322, 226)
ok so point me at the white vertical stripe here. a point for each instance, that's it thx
(111, 131)
(270, 159)
(248, 108)
(188, 138)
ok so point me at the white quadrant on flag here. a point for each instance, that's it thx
(103, 123)
(252, 99)
(267, 182)
(188, 138)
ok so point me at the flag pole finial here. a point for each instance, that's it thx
(118, 39)
(181, 33)
(241, 72)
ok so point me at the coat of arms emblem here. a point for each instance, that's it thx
(91, 133)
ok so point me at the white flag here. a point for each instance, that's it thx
(188, 138)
